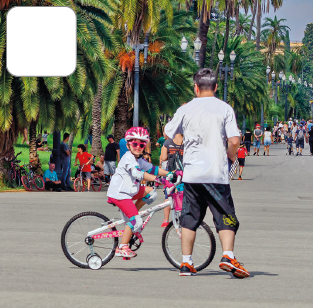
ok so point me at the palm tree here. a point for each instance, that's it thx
(295, 63)
(52, 101)
(274, 33)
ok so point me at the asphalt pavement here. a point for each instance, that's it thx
(275, 243)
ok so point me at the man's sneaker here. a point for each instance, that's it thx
(264, 153)
(232, 265)
(240, 178)
(125, 252)
(187, 270)
(254, 153)
(297, 154)
(87, 190)
(300, 154)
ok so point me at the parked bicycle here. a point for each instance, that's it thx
(15, 171)
(31, 179)
(89, 239)
(81, 182)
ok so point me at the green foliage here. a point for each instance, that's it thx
(308, 60)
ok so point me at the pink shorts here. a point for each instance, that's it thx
(127, 206)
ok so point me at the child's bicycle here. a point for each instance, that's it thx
(81, 182)
(89, 239)
(30, 179)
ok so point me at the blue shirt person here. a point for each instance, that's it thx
(51, 179)
(123, 147)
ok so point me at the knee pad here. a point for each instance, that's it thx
(135, 223)
(150, 197)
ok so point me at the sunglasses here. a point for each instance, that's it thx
(135, 144)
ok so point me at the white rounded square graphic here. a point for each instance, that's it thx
(41, 41)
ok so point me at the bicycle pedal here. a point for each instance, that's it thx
(125, 258)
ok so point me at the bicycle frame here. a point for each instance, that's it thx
(99, 233)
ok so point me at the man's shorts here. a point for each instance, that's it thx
(87, 175)
(241, 162)
(257, 144)
(197, 197)
(300, 144)
(89, 137)
(109, 167)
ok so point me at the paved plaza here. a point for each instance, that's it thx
(274, 204)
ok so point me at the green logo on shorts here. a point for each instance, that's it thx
(229, 221)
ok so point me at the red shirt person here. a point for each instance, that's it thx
(241, 154)
(84, 159)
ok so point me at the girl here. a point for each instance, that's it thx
(125, 186)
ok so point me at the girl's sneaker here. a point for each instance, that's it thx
(125, 252)
(165, 224)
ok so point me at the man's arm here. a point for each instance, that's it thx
(175, 125)
(233, 145)
(118, 155)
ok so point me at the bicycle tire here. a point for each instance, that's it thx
(69, 255)
(26, 183)
(175, 262)
(77, 186)
(96, 183)
(36, 177)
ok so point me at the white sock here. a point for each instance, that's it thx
(187, 259)
(122, 245)
(229, 253)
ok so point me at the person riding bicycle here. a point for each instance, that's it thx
(84, 159)
(125, 186)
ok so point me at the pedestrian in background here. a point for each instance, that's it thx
(241, 154)
(65, 155)
(247, 139)
(268, 140)
(257, 139)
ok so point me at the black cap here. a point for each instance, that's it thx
(110, 136)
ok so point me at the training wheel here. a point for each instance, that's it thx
(94, 262)
(125, 258)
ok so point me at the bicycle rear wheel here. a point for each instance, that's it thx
(26, 183)
(79, 186)
(39, 182)
(203, 250)
(73, 239)
(96, 184)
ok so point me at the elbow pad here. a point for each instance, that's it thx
(150, 197)
(135, 223)
(137, 173)
(154, 170)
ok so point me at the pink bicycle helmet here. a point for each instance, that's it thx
(137, 133)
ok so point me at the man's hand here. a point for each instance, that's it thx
(75, 164)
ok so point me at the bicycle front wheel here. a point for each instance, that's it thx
(74, 235)
(96, 184)
(203, 250)
(39, 182)
(26, 183)
(79, 185)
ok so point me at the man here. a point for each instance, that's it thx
(89, 138)
(310, 125)
(299, 139)
(302, 122)
(51, 179)
(65, 155)
(289, 125)
(84, 159)
(111, 151)
(257, 139)
(207, 123)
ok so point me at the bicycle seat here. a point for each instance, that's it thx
(111, 202)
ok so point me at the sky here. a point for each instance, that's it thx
(298, 13)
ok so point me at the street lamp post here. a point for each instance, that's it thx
(287, 86)
(226, 69)
(197, 45)
(137, 48)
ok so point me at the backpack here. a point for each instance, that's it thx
(301, 135)
(175, 163)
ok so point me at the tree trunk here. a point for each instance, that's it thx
(215, 40)
(121, 116)
(253, 19)
(237, 21)
(72, 134)
(258, 36)
(6, 151)
(33, 156)
(203, 36)
(96, 149)
(226, 32)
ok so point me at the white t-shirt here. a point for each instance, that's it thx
(206, 123)
(280, 125)
(289, 124)
(267, 135)
(123, 185)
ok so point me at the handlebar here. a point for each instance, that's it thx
(171, 186)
